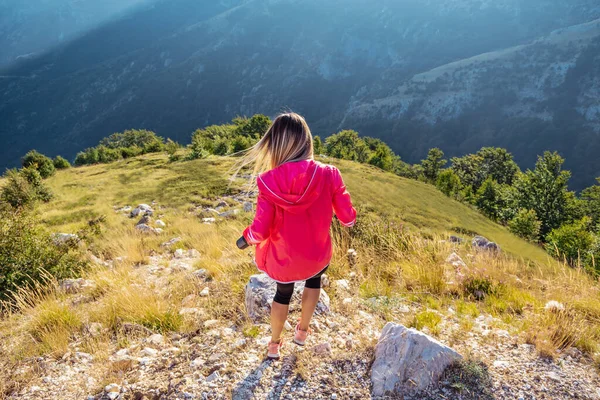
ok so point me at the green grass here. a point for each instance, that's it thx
(85, 192)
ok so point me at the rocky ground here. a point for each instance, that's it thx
(223, 360)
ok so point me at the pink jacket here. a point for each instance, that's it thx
(296, 202)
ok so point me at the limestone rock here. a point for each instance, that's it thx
(145, 220)
(261, 290)
(160, 223)
(247, 206)
(171, 242)
(481, 243)
(142, 209)
(407, 360)
(455, 260)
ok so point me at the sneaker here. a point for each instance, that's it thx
(300, 335)
(273, 351)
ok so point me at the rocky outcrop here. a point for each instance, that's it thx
(142, 209)
(481, 243)
(261, 290)
(407, 361)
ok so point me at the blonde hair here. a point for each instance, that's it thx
(288, 139)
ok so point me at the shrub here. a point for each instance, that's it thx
(171, 148)
(433, 164)
(318, 145)
(23, 188)
(43, 164)
(128, 152)
(61, 163)
(526, 225)
(449, 183)
(573, 242)
(347, 145)
(253, 127)
(87, 157)
(149, 141)
(240, 143)
(222, 147)
(28, 254)
(107, 155)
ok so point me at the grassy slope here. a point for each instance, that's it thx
(82, 193)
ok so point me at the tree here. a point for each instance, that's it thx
(42, 163)
(347, 145)
(544, 190)
(149, 141)
(254, 127)
(171, 148)
(494, 162)
(448, 183)
(383, 157)
(318, 145)
(573, 242)
(433, 164)
(488, 198)
(526, 225)
(591, 198)
(61, 163)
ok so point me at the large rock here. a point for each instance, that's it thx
(407, 361)
(142, 209)
(261, 290)
(481, 243)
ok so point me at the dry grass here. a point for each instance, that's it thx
(395, 260)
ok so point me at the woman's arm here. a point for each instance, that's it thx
(260, 229)
(342, 203)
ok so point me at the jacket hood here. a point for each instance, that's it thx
(293, 186)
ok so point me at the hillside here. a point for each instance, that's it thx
(158, 317)
(172, 68)
(529, 98)
(31, 28)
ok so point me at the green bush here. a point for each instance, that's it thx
(149, 141)
(24, 188)
(573, 243)
(433, 164)
(61, 163)
(42, 163)
(347, 145)
(171, 148)
(87, 157)
(128, 152)
(253, 127)
(449, 183)
(526, 225)
(28, 254)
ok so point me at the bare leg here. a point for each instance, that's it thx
(279, 313)
(310, 298)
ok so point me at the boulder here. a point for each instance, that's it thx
(456, 239)
(142, 209)
(352, 257)
(261, 290)
(407, 361)
(145, 220)
(481, 243)
(160, 223)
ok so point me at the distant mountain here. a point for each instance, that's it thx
(173, 66)
(31, 27)
(541, 96)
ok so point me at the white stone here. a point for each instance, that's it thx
(259, 295)
(149, 352)
(455, 260)
(209, 220)
(198, 363)
(64, 238)
(76, 285)
(247, 206)
(171, 242)
(554, 306)
(193, 253)
(342, 284)
(407, 360)
(160, 223)
(213, 377)
(210, 323)
(156, 339)
(205, 292)
(179, 253)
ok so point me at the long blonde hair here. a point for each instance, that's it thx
(288, 139)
